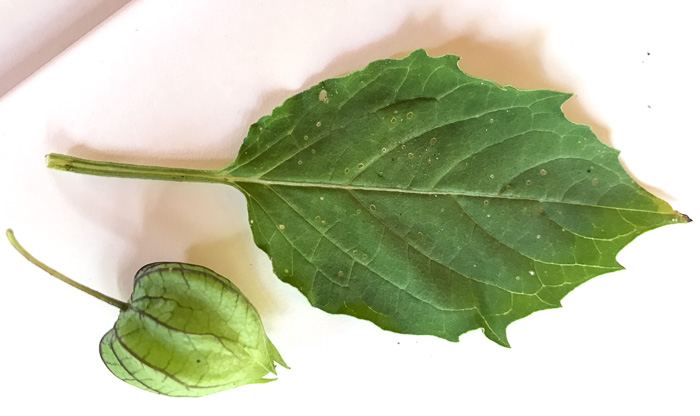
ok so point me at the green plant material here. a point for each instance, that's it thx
(185, 331)
(428, 201)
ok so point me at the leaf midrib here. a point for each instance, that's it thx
(235, 180)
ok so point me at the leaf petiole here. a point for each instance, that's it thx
(60, 276)
(125, 170)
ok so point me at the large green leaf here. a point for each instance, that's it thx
(431, 202)
(428, 201)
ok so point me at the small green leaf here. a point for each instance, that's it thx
(186, 331)
(428, 201)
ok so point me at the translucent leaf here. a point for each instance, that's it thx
(188, 331)
(185, 331)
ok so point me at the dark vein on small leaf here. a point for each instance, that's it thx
(162, 371)
(145, 363)
(194, 270)
(220, 339)
(139, 380)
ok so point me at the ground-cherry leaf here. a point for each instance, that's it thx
(188, 331)
(428, 201)
(185, 331)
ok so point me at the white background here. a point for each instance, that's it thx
(177, 83)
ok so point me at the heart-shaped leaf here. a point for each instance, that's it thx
(188, 331)
(185, 331)
(428, 201)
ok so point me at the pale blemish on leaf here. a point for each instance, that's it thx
(323, 96)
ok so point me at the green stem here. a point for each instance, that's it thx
(124, 170)
(119, 304)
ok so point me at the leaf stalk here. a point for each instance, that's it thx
(60, 276)
(124, 170)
